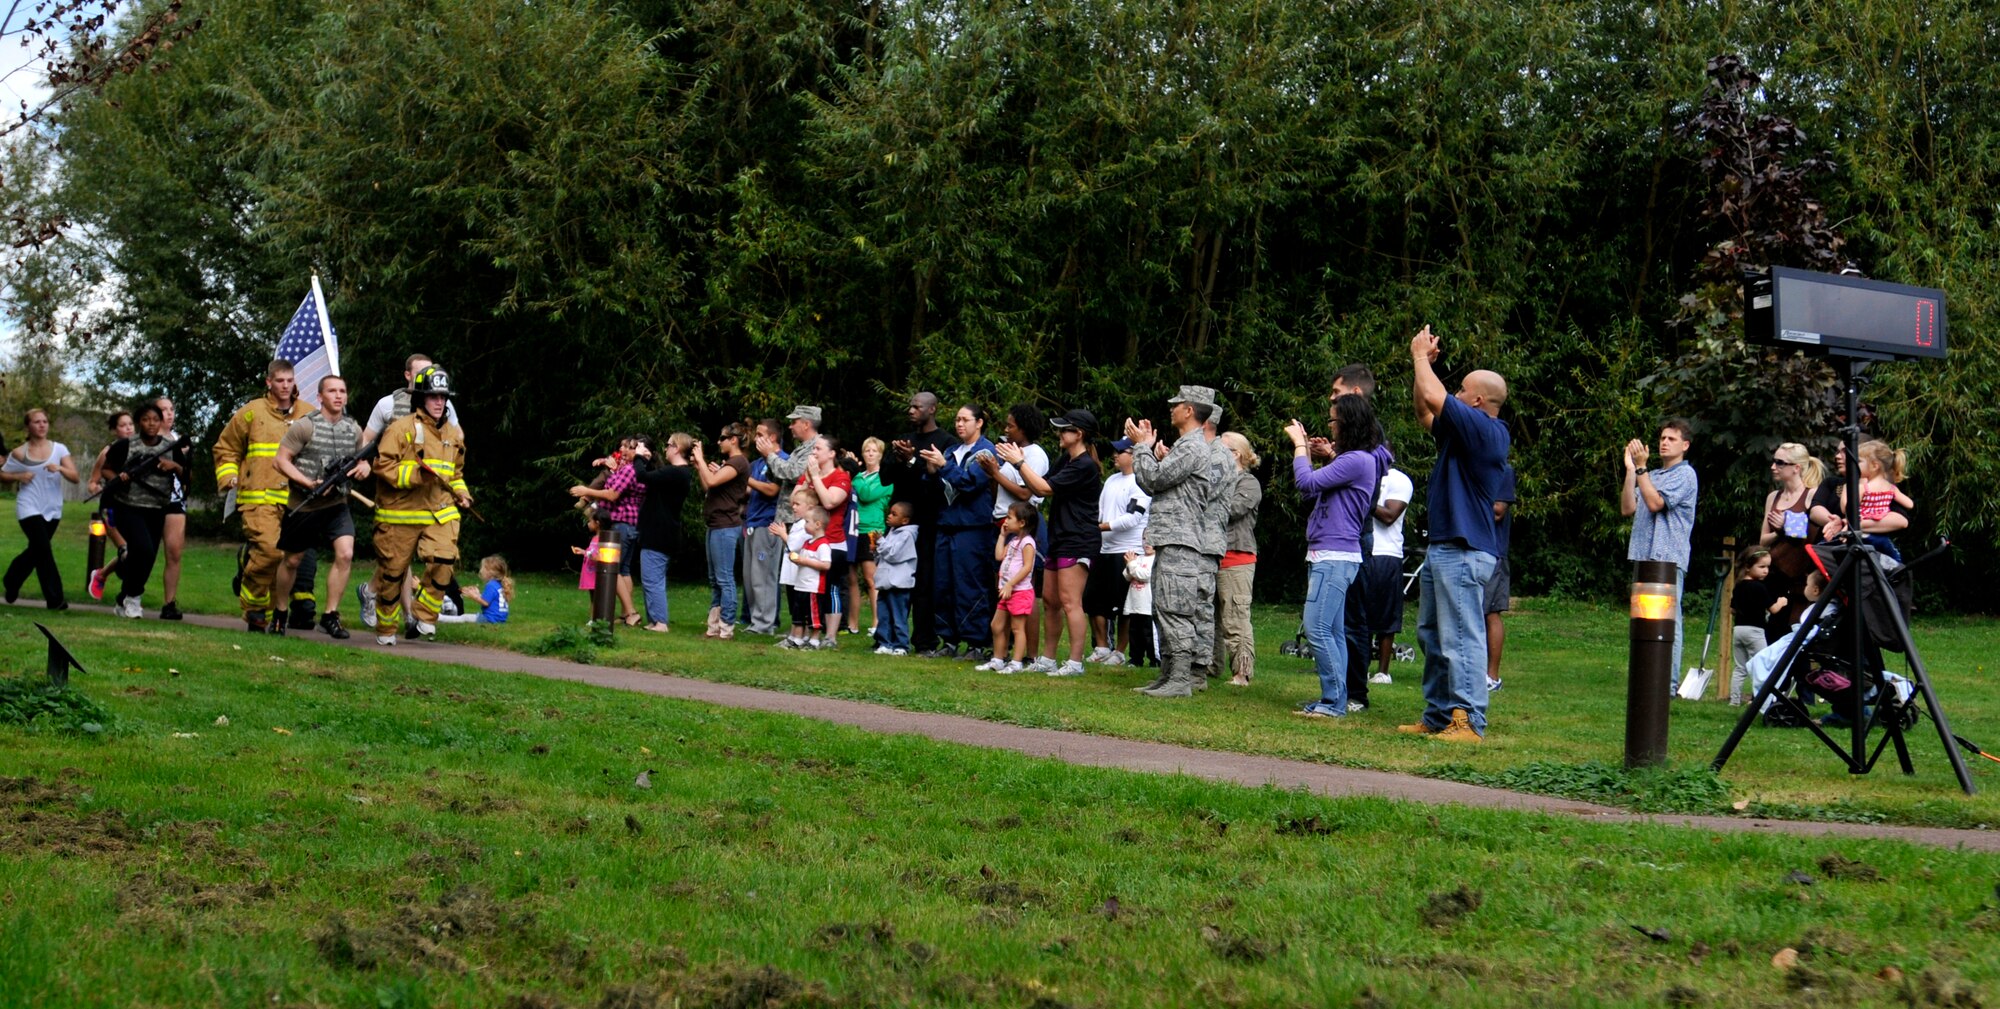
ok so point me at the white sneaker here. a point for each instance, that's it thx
(992, 665)
(129, 608)
(428, 632)
(1492, 685)
(899, 651)
(448, 608)
(1098, 655)
(1116, 658)
(1070, 668)
(366, 593)
(884, 650)
(1380, 678)
(1356, 707)
(1010, 669)
(1043, 664)
(386, 640)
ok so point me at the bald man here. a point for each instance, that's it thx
(1472, 447)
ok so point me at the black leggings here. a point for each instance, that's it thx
(142, 529)
(37, 556)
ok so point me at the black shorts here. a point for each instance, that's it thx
(311, 530)
(1104, 592)
(176, 508)
(1498, 590)
(1382, 594)
(864, 548)
(808, 608)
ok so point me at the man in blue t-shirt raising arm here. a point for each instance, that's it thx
(1472, 447)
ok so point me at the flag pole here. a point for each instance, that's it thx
(325, 327)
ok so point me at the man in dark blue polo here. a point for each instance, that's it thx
(1472, 447)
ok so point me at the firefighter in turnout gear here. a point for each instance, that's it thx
(246, 460)
(420, 487)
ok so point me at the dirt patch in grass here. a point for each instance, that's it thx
(764, 987)
(1837, 866)
(1445, 908)
(414, 934)
(33, 819)
(1239, 948)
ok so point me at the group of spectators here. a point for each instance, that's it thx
(1776, 577)
(951, 538)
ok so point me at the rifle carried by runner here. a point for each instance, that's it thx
(333, 479)
(142, 467)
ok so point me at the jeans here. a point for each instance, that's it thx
(892, 618)
(1451, 629)
(39, 558)
(629, 545)
(722, 546)
(1326, 630)
(653, 581)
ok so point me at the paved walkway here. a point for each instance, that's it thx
(1105, 751)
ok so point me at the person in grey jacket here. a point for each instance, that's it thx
(1182, 536)
(786, 470)
(1239, 563)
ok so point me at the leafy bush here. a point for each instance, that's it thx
(44, 707)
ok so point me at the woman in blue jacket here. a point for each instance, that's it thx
(964, 567)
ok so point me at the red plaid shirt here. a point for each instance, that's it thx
(631, 495)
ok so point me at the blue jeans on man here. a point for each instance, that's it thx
(1326, 631)
(1451, 629)
(653, 582)
(722, 546)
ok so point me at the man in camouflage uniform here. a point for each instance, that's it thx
(246, 460)
(420, 487)
(1186, 544)
(1222, 487)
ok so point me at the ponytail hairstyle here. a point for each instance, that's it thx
(494, 566)
(1811, 470)
(1891, 460)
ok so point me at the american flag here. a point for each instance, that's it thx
(311, 345)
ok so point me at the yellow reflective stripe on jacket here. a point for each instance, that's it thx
(261, 450)
(249, 497)
(225, 471)
(444, 467)
(416, 517)
(458, 486)
(406, 473)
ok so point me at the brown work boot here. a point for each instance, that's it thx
(1460, 730)
(1419, 728)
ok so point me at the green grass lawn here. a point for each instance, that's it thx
(364, 831)
(1562, 710)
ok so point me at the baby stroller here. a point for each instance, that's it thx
(1826, 663)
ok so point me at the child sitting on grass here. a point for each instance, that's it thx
(496, 594)
(1015, 550)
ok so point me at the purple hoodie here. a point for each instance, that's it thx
(1341, 494)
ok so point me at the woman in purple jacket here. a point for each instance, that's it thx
(1339, 495)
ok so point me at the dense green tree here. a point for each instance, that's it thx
(669, 212)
